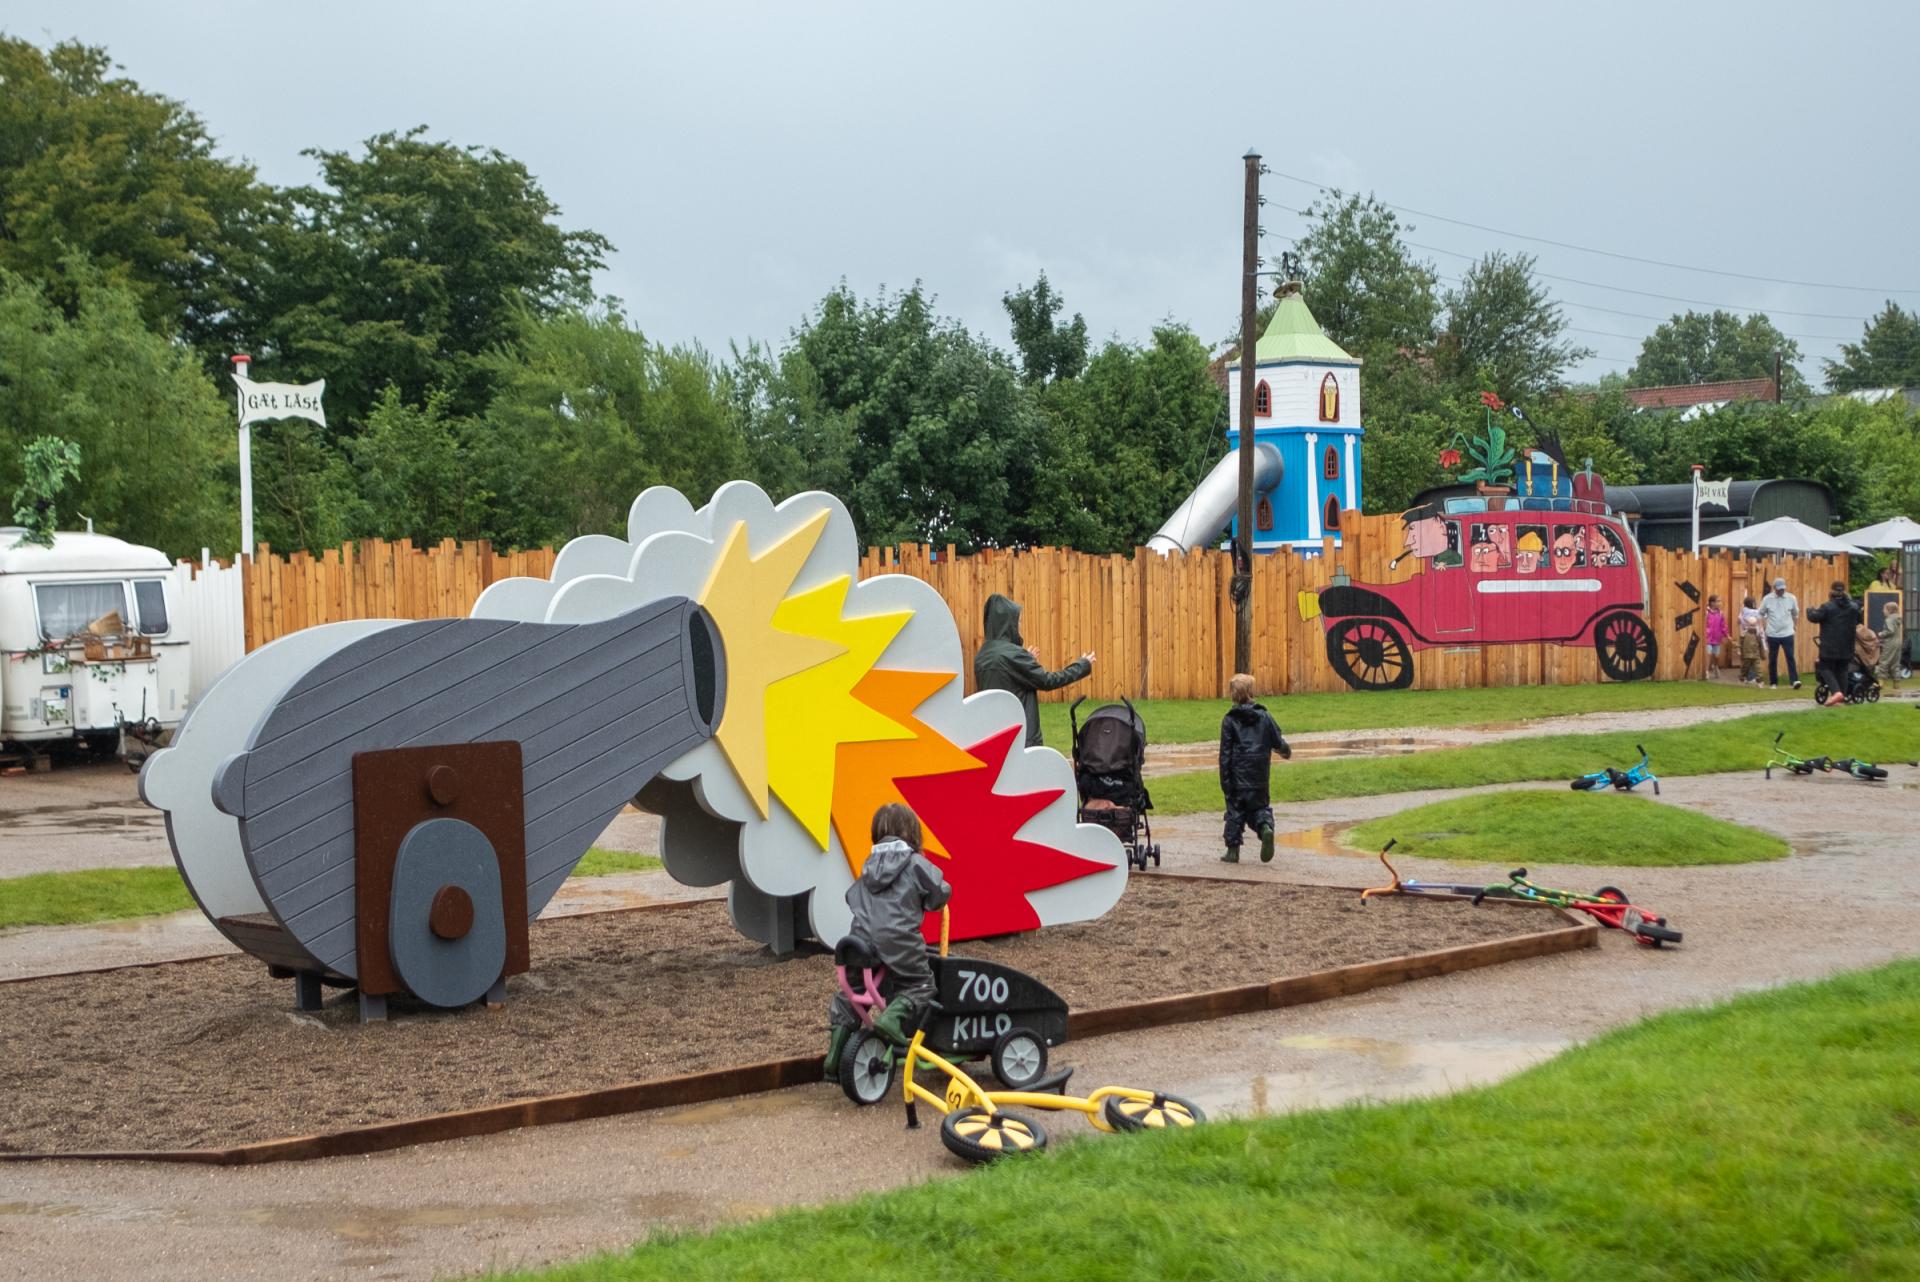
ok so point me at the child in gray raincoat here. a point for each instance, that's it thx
(897, 887)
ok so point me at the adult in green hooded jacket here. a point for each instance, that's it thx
(1005, 663)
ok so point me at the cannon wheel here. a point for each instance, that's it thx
(1369, 655)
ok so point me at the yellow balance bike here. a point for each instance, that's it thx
(975, 1123)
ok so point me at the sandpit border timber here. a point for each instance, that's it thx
(1570, 935)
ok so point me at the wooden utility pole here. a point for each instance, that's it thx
(1242, 589)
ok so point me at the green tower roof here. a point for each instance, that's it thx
(1294, 335)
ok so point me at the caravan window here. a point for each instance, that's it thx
(150, 598)
(67, 608)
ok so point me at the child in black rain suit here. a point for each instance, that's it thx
(1248, 739)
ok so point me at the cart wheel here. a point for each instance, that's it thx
(1657, 935)
(1162, 1112)
(1019, 1058)
(867, 1067)
(980, 1136)
(1611, 895)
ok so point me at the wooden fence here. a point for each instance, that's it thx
(1161, 626)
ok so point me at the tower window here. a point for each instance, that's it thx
(1332, 518)
(1330, 464)
(1263, 399)
(1329, 399)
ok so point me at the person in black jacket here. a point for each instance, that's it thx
(1005, 662)
(1837, 619)
(1249, 736)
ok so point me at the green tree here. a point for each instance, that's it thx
(409, 264)
(91, 163)
(1131, 438)
(1712, 347)
(1362, 282)
(1049, 350)
(157, 437)
(588, 414)
(1503, 326)
(46, 465)
(1887, 355)
(415, 475)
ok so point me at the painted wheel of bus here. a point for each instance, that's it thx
(1369, 655)
(1626, 646)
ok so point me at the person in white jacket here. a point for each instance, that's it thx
(1780, 622)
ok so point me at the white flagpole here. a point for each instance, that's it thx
(1697, 469)
(241, 364)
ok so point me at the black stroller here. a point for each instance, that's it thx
(1109, 754)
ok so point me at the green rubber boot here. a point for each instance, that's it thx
(894, 1022)
(1232, 856)
(1266, 845)
(836, 1042)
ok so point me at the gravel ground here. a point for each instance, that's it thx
(205, 1054)
(1843, 900)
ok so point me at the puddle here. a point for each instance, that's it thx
(765, 1104)
(1321, 839)
(111, 817)
(1174, 758)
(1337, 1070)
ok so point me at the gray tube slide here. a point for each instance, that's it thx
(1210, 507)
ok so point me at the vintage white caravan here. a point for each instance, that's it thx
(92, 646)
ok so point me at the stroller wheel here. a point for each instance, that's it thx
(980, 1136)
(1162, 1112)
(1873, 693)
(1155, 852)
(867, 1067)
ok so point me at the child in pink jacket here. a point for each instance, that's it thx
(1716, 636)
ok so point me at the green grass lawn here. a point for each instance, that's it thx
(1885, 732)
(1198, 720)
(1514, 829)
(1774, 1138)
(97, 894)
(109, 894)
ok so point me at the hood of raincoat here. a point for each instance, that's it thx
(1002, 619)
(889, 859)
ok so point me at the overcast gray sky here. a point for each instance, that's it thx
(744, 158)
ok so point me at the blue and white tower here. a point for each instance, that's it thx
(1306, 403)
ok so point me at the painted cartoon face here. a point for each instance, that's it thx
(1484, 558)
(1526, 556)
(1566, 547)
(1501, 536)
(1427, 536)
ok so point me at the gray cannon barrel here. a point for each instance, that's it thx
(1209, 508)
(597, 708)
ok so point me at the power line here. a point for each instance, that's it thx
(1607, 253)
(1643, 293)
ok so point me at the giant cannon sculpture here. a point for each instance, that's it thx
(387, 804)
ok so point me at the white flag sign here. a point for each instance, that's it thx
(260, 401)
(1714, 492)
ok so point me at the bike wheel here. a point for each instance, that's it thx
(1161, 1113)
(1871, 772)
(1584, 783)
(867, 1066)
(1611, 895)
(979, 1136)
(1657, 935)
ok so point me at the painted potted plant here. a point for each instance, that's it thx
(1492, 454)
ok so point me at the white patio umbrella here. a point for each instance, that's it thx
(1782, 534)
(1886, 536)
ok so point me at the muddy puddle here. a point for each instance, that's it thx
(1174, 758)
(1327, 1070)
(96, 818)
(1321, 839)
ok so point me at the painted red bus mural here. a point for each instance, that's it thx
(1504, 577)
